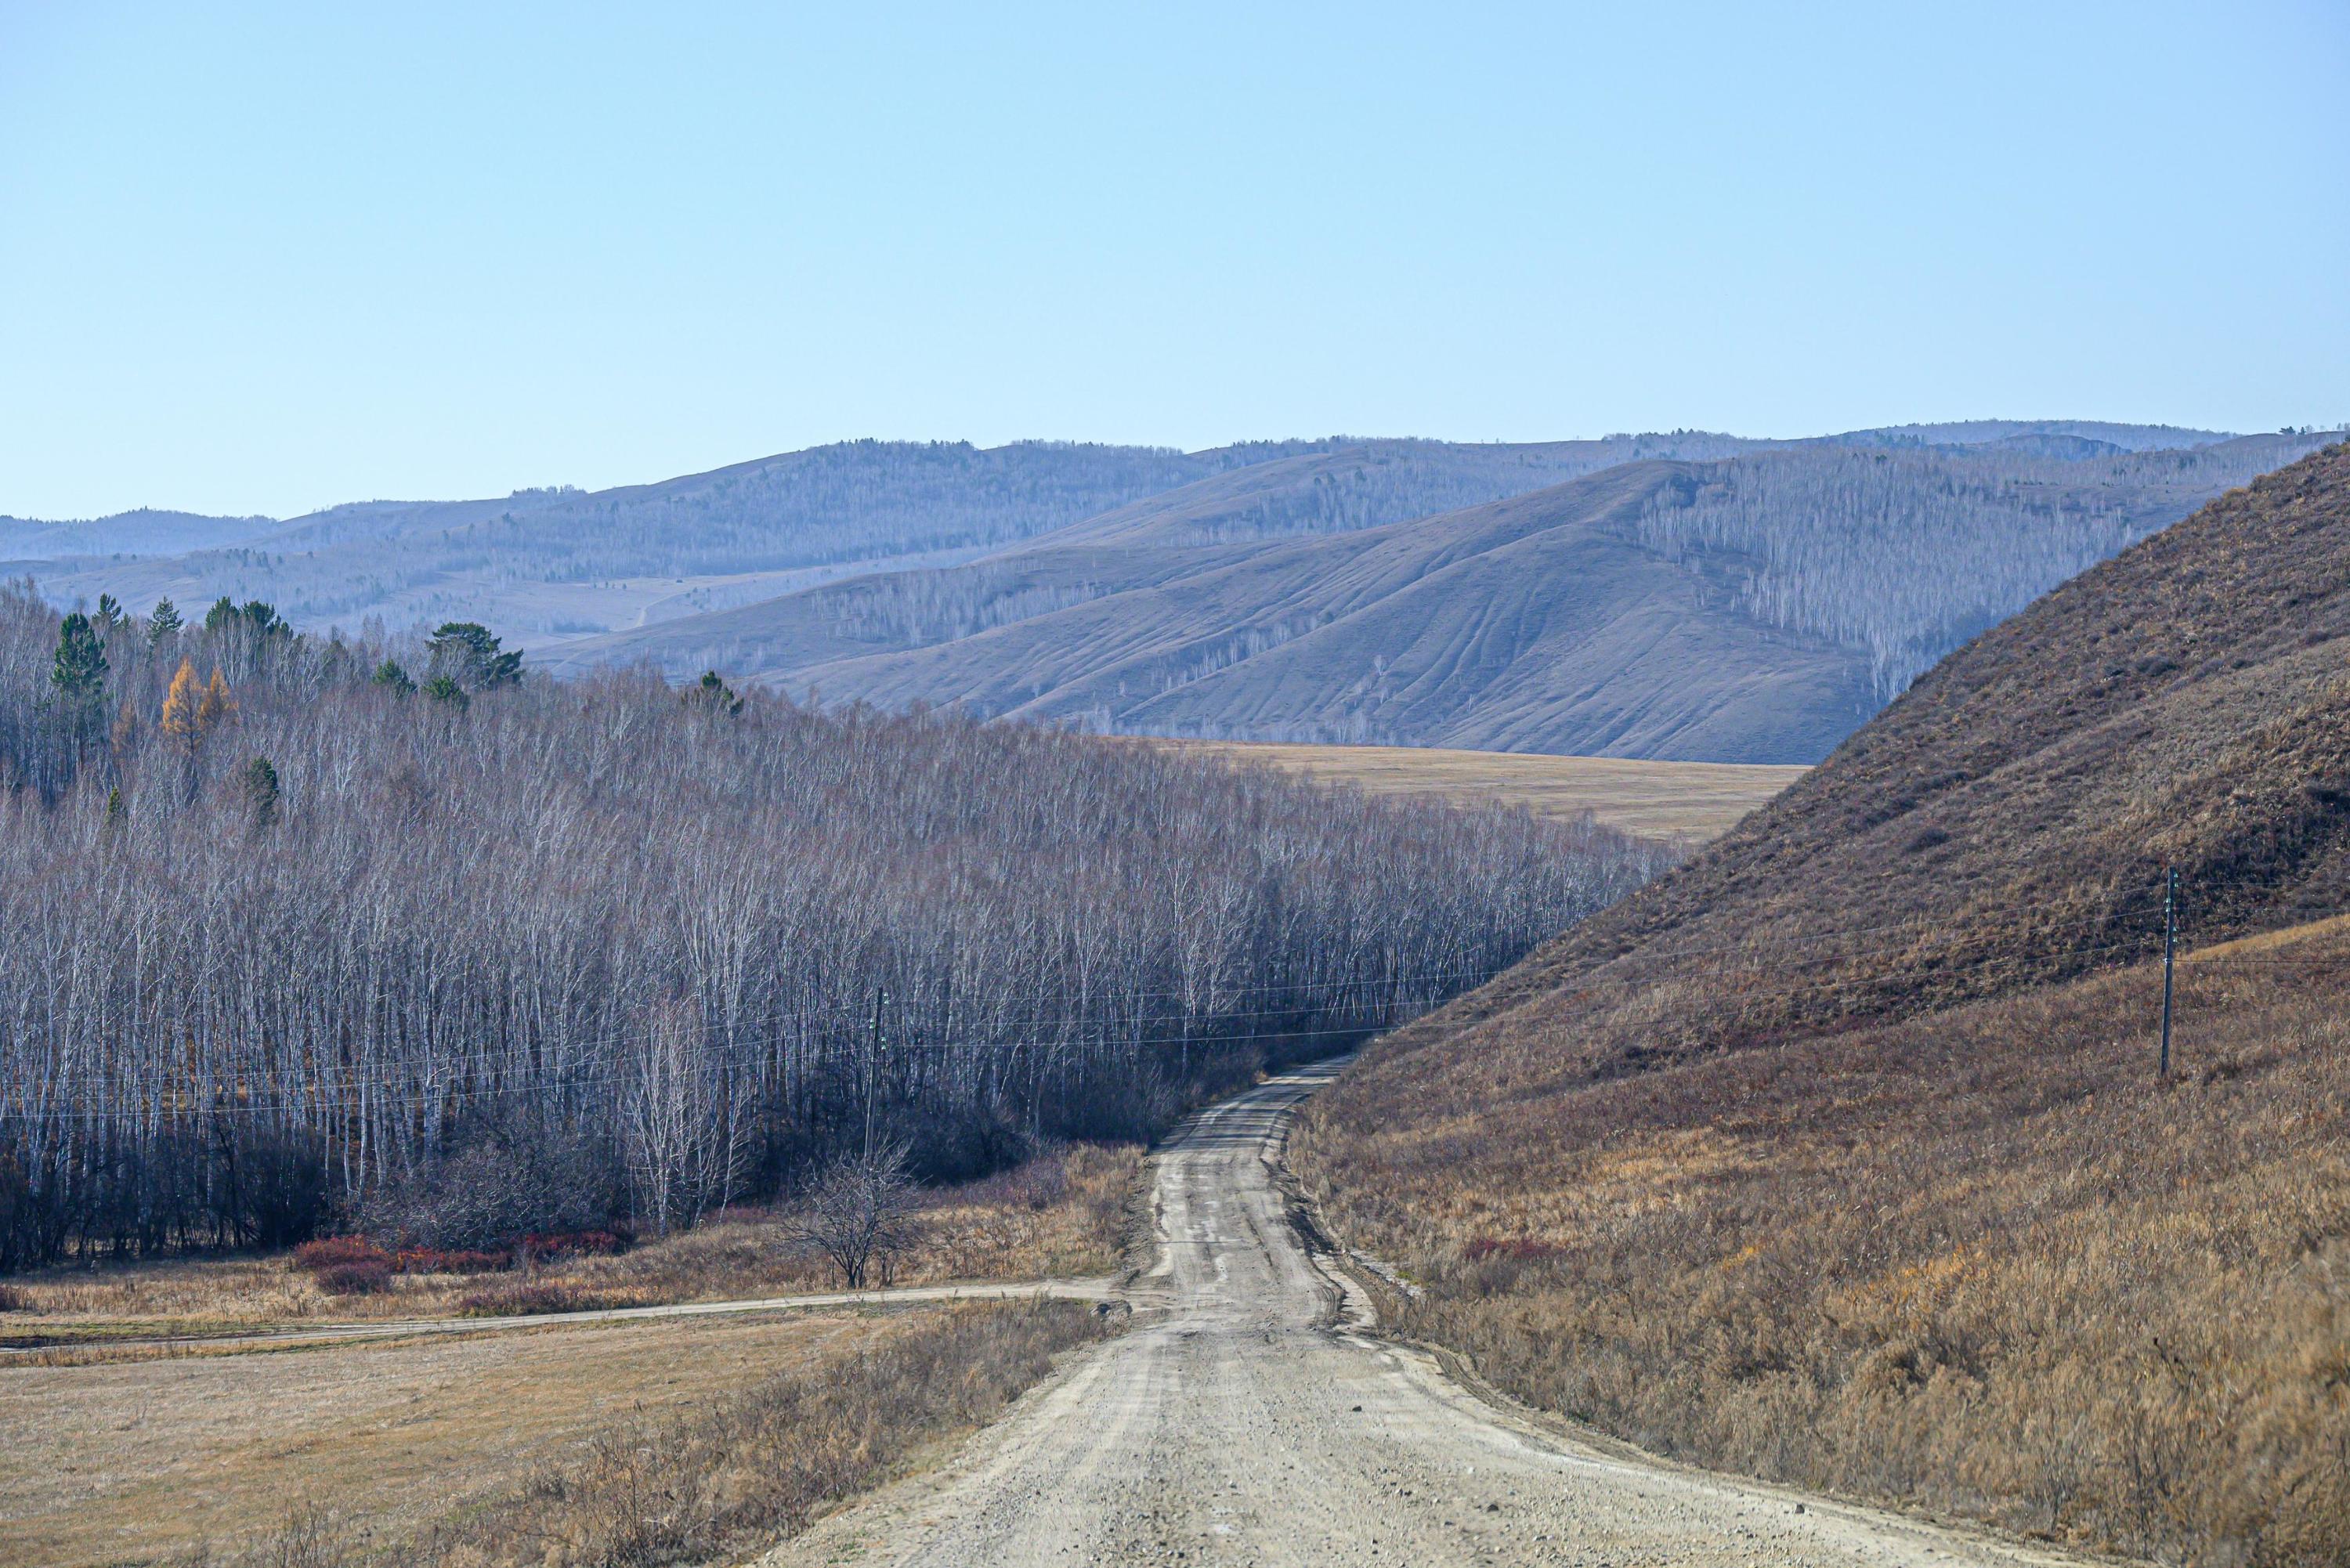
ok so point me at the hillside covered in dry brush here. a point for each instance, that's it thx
(1839, 1155)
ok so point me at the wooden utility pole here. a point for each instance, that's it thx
(2169, 948)
(872, 1070)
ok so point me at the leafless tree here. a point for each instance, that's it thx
(692, 946)
(858, 1215)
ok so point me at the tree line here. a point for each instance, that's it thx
(309, 931)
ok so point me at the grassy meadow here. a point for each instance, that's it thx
(1690, 801)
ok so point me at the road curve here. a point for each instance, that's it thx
(1246, 1423)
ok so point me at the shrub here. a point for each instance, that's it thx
(486, 1194)
(428, 1260)
(13, 1300)
(367, 1279)
(527, 1298)
(328, 1252)
(576, 1244)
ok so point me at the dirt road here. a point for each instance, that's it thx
(1248, 1423)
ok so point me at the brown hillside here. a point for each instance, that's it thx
(2009, 820)
(1838, 1154)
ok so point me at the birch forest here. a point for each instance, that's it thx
(297, 926)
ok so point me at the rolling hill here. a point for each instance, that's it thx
(1685, 596)
(1751, 608)
(1839, 1153)
(552, 564)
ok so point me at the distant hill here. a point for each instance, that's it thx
(1681, 595)
(140, 532)
(547, 565)
(1753, 607)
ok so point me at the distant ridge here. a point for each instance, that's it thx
(1681, 595)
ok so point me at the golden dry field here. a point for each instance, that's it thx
(1694, 801)
(442, 1446)
(137, 1461)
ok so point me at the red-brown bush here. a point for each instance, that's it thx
(576, 1244)
(362, 1279)
(328, 1251)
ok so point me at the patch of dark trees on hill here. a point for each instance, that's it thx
(300, 930)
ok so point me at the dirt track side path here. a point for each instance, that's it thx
(1247, 1422)
(1095, 1290)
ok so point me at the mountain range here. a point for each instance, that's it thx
(1686, 595)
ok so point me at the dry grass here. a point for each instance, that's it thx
(135, 1461)
(1981, 1261)
(1692, 801)
(1061, 1214)
(763, 1466)
(616, 1443)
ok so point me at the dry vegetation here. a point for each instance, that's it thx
(1691, 800)
(615, 1445)
(1836, 1154)
(1984, 1261)
(1060, 1215)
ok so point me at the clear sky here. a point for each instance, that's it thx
(263, 258)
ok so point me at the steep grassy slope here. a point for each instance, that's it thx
(1838, 1153)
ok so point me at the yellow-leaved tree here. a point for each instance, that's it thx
(192, 708)
(217, 705)
(180, 722)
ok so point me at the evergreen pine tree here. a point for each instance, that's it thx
(79, 674)
(163, 622)
(259, 779)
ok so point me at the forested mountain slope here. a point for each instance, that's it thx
(557, 563)
(1840, 1154)
(1755, 607)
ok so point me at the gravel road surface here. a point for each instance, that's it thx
(1245, 1418)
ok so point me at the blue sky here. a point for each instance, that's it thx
(265, 258)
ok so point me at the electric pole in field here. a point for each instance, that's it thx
(2169, 948)
(873, 1070)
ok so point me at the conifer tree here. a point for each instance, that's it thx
(163, 622)
(259, 779)
(216, 705)
(126, 731)
(467, 652)
(182, 721)
(78, 676)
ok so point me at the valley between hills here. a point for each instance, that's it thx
(1363, 1154)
